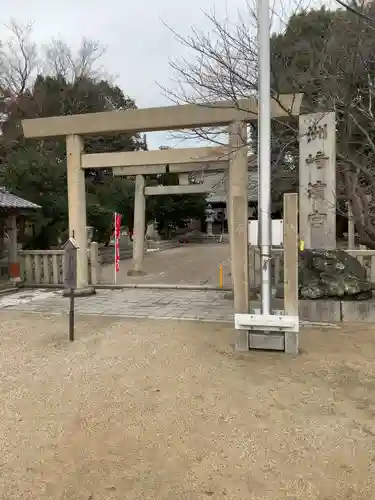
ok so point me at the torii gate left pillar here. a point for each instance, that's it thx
(77, 211)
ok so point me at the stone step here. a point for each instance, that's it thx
(8, 288)
(7, 284)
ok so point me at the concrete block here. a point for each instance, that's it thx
(291, 342)
(358, 311)
(271, 341)
(242, 341)
(328, 311)
(80, 292)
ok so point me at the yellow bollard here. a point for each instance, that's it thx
(221, 276)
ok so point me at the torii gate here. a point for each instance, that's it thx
(180, 161)
(190, 116)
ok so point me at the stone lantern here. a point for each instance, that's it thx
(209, 219)
(89, 234)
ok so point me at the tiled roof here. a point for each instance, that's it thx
(218, 193)
(8, 200)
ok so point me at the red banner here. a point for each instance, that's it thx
(117, 241)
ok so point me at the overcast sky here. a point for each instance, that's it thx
(139, 45)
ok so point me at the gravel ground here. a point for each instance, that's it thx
(165, 410)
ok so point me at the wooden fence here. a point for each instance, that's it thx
(365, 257)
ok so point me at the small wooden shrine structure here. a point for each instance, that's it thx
(12, 210)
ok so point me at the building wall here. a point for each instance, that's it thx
(217, 198)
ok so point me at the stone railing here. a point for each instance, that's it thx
(46, 267)
(365, 257)
(107, 254)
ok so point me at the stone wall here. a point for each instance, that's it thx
(107, 254)
(328, 311)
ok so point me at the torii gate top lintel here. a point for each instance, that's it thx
(159, 119)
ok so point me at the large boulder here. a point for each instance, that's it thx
(331, 274)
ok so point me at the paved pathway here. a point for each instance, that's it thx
(129, 303)
(190, 264)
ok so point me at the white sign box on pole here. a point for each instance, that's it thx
(277, 228)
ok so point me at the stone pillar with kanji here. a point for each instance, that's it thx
(317, 180)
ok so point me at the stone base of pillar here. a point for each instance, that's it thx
(80, 292)
(253, 294)
(14, 271)
(135, 272)
(17, 279)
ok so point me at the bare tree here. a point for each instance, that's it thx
(349, 89)
(59, 59)
(358, 7)
(18, 60)
(21, 60)
(338, 76)
(222, 65)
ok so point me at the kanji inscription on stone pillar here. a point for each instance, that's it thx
(317, 180)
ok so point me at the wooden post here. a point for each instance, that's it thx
(238, 226)
(13, 262)
(95, 265)
(291, 267)
(252, 277)
(70, 279)
(227, 206)
(2, 239)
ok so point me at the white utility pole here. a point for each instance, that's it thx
(264, 166)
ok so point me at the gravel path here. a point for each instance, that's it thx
(190, 264)
(165, 410)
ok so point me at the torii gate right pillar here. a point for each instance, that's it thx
(139, 227)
